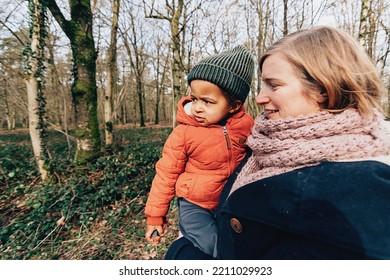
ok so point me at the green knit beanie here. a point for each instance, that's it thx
(231, 70)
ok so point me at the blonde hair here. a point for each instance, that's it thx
(331, 61)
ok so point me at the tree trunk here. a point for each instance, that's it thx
(140, 101)
(111, 76)
(34, 84)
(364, 23)
(84, 93)
(57, 87)
(285, 15)
(34, 120)
(372, 18)
(160, 84)
(8, 111)
(84, 90)
(176, 64)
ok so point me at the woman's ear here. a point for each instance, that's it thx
(235, 106)
(322, 97)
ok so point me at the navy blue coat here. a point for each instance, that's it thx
(336, 210)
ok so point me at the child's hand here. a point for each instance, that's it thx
(151, 235)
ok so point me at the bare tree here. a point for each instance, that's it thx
(371, 27)
(60, 96)
(160, 66)
(177, 14)
(84, 91)
(173, 13)
(13, 99)
(137, 59)
(364, 23)
(285, 17)
(112, 75)
(8, 108)
(262, 16)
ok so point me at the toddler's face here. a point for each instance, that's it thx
(209, 105)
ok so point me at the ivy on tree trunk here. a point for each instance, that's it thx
(34, 72)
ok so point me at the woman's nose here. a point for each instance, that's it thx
(262, 97)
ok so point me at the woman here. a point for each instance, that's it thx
(317, 185)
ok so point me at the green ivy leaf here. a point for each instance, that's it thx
(37, 205)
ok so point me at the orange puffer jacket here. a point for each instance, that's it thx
(196, 162)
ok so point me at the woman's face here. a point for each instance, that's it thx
(282, 94)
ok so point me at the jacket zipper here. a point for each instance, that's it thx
(225, 132)
(229, 149)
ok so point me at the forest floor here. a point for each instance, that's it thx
(90, 212)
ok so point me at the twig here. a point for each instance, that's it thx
(63, 132)
(135, 198)
(47, 236)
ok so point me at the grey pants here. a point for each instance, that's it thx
(198, 225)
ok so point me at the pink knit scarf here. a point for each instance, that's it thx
(283, 145)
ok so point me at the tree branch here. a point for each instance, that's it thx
(12, 69)
(12, 32)
(58, 15)
(158, 14)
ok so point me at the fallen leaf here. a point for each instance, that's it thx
(61, 221)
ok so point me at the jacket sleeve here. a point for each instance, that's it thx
(168, 168)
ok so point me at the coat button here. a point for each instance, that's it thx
(236, 225)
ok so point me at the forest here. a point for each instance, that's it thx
(88, 94)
